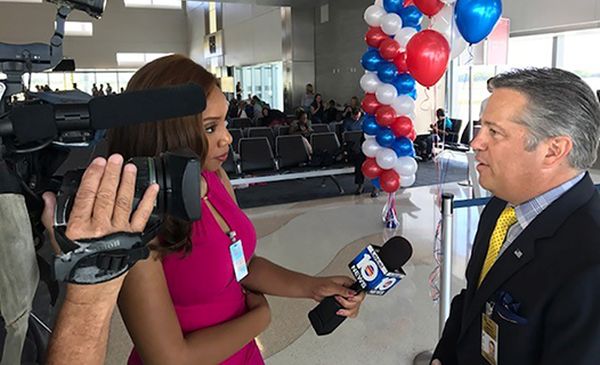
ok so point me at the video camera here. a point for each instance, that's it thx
(37, 135)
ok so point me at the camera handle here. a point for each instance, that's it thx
(17, 59)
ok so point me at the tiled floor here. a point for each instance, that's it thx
(324, 236)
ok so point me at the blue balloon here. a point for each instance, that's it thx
(370, 125)
(411, 16)
(476, 19)
(403, 147)
(370, 60)
(385, 137)
(413, 94)
(376, 183)
(393, 6)
(404, 83)
(387, 72)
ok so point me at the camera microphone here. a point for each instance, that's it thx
(30, 123)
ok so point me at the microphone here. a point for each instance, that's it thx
(376, 269)
(44, 121)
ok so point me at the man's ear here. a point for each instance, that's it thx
(557, 150)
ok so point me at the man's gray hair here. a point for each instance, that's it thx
(560, 103)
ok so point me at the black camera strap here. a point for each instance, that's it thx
(97, 260)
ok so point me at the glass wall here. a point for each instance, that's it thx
(573, 51)
(85, 80)
(264, 81)
(581, 55)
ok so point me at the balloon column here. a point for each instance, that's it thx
(400, 54)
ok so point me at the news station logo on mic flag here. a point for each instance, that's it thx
(371, 273)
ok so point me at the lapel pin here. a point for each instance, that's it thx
(518, 253)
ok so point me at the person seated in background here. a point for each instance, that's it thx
(302, 127)
(331, 112)
(353, 122)
(441, 126)
(438, 131)
(354, 103)
(317, 109)
(258, 106)
(232, 110)
(270, 118)
(248, 110)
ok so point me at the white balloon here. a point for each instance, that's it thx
(403, 35)
(391, 23)
(370, 147)
(380, 2)
(445, 24)
(412, 116)
(386, 158)
(406, 166)
(406, 181)
(373, 15)
(403, 105)
(368, 136)
(386, 94)
(369, 82)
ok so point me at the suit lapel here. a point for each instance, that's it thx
(521, 251)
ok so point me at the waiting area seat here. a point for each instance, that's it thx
(240, 123)
(231, 164)
(262, 132)
(352, 140)
(291, 151)
(320, 128)
(256, 155)
(236, 135)
(324, 143)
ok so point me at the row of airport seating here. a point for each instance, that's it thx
(256, 154)
(271, 133)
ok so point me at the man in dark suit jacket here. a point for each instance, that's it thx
(538, 300)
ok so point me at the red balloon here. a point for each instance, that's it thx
(429, 7)
(370, 168)
(389, 180)
(427, 55)
(375, 36)
(385, 116)
(389, 49)
(370, 104)
(408, 3)
(412, 135)
(402, 126)
(400, 62)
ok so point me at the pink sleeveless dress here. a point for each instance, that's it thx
(202, 285)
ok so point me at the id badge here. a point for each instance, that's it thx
(489, 336)
(239, 261)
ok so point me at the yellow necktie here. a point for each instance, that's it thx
(505, 221)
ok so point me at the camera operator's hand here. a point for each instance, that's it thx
(102, 206)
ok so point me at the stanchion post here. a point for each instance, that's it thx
(446, 264)
(424, 358)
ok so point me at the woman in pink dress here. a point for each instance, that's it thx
(189, 303)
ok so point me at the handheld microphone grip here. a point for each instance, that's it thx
(377, 270)
(323, 317)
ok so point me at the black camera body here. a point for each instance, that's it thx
(37, 135)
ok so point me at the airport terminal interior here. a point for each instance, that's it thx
(305, 82)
